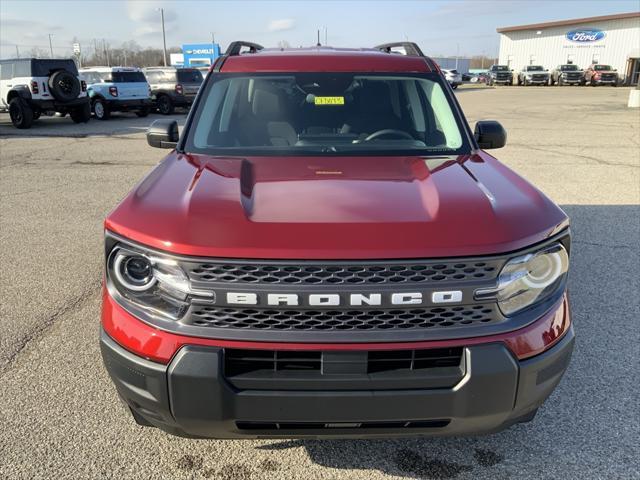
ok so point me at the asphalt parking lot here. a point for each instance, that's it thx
(59, 414)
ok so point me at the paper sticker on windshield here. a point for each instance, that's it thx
(328, 100)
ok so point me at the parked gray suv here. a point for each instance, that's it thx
(173, 87)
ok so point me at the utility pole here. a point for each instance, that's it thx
(50, 45)
(164, 38)
(95, 51)
(318, 44)
(325, 36)
(457, 54)
(17, 52)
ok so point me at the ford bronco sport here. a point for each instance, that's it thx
(30, 87)
(117, 89)
(328, 250)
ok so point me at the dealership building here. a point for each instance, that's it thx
(610, 39)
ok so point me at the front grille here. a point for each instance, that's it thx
(383, 319)
(607, 76)
(342, 425)
(238, 362)
(343, 273)
(538, 77)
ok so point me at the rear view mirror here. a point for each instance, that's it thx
(490, 134)
(163, 134)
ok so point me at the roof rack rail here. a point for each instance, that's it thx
(235, 47)
(411, 49)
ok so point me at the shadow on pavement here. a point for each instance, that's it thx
(119, 124)
(588, 424)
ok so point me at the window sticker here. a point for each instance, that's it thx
(328, 100)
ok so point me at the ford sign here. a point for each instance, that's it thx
(585, 36)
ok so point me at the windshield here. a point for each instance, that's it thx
(569, 68)
(602, 67)
(325, 113)
(500, 68)
(189, 76)
(534, 68)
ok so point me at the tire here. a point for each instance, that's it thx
(81, 114)
(592, 83)
(101, 109)
(21, 113)
(560, 81)
(454, 86)
(64, 86)
(143, 112)
(165, 105)
(519, 81)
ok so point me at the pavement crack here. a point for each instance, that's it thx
(596, 244)
(39, 331)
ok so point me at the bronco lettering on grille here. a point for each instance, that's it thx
(334, 299)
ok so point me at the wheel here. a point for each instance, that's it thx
(560, 81)
(101, 109)
(143, 112)
(592, 82)
(81, 114)
(454, 86)
(519, 81)
(524, 81)
(21, 113)
(165, 105)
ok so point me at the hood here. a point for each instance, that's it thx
(335, 207)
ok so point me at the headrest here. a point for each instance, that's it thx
(375, 96)
(265, 105)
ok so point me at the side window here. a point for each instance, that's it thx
(22, 68)
(7, 71)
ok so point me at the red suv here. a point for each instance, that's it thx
(328, 250)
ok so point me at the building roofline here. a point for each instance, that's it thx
(559, 23)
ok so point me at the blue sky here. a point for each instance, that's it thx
(440, 27)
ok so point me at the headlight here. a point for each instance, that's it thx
(529, 279)
(149, 284)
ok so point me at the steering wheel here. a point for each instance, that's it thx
(388, 131)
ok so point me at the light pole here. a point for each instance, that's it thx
(457, 54)
(164, 38)
(50, 45)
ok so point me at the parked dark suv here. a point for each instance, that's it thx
(328, 250)
(173, 87)
(500, 74)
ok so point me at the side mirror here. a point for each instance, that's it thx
(490, 134)
(163, 134)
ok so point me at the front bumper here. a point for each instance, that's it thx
(191, 396)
